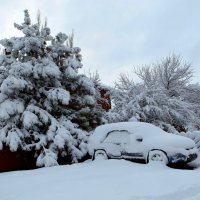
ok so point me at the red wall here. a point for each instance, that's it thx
(18, 160)
(105, 100)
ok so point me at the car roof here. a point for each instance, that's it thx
(142, 128)
(129, 126)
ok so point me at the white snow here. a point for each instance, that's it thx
(47, 159)
(102, 180)
(10, 108)
(59, 95)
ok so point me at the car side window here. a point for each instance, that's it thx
(118, 137)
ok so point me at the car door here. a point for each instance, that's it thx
(115, 142)
(134, 148)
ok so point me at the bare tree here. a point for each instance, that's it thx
(171, 73)
(124, 82)
(148, 74)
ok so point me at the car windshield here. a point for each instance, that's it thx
(117, 136)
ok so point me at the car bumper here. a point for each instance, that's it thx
(192, 157)
(180, 158)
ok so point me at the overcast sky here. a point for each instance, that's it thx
(116, 35)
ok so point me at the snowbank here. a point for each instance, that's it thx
(107, 180)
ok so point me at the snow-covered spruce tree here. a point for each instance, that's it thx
(37, 99)
(83, 108)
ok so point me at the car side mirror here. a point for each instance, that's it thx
(139, 138)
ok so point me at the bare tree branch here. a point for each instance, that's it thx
(124, 82)
(171, 73)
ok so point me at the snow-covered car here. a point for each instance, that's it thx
(143, 142)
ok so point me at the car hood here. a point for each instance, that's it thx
(170, 140)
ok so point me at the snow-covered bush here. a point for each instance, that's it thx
(151, 102)
(153, 106)
(194, 135)
(45, 105)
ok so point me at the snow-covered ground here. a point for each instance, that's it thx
(102, 180)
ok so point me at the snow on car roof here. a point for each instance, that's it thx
(133, 127)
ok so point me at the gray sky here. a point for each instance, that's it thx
(116, 35)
